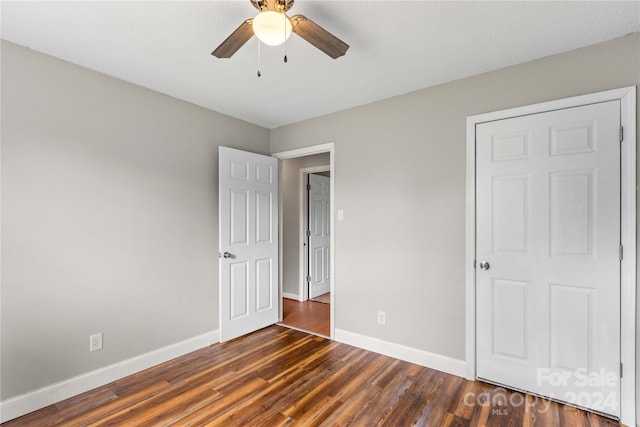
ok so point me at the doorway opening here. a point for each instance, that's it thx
(300, 308)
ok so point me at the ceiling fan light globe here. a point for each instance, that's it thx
(272, 28)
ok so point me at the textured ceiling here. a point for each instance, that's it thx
(396, 47)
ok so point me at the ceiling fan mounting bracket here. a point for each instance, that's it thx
(274, 5)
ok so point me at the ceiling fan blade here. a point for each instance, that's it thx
(318, 36)
(235, 41)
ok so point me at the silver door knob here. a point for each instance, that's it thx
(484, 265)
(227, 255)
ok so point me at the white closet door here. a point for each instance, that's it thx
(548, 268)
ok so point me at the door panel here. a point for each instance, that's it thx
(239, 282)
(320, 235)
(548, 224)
(264, 288)
(509, 323)
(572, 211)
(238, 217)
(511, 211)
(571, 330)
(248, 215)
(264, 208)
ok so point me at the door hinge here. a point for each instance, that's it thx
(308, 233)
(621, 370)
(308, 187)
(308, 278)
(621, 133)
(621, 252)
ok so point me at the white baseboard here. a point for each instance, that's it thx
(291, 296)
(409, 354)
(23, 404)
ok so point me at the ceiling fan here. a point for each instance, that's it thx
(272, 26)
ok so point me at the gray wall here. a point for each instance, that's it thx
(400, 178)
(290, 218)
(109, 218)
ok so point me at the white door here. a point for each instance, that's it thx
(548, 266)
(319, 235)
(248, 220)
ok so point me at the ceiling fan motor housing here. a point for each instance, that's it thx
(274, 5)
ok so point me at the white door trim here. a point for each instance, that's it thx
(328, 147)
(627, 98)
(303, 218)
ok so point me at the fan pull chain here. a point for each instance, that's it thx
(284, 28)
(259, 73)
(285, 35)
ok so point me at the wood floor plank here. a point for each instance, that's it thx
(413, 401)
(385, 401)
(121, 416)
(352, 407)
(75, 407)
(359, 375)
(293, 391)
(318, 395)
(438, 398)
(37, 418)
(283, 377)
(464, 401)
(242, 412)
(211, 412)
(316, 412)
(120, 404)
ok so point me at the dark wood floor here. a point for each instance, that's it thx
(279, 376)
(309, 316)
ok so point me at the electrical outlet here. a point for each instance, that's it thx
(382, 318)
(95, 342)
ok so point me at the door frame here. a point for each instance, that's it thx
(328, 147)
(304, 221)
(627, 98)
